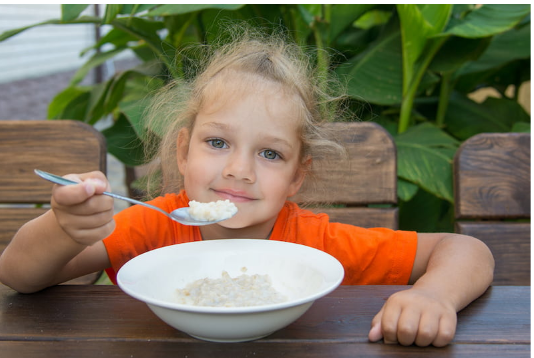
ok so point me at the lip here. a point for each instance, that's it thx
(233, 195)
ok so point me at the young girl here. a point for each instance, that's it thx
(248, 131)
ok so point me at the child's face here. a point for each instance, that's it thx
(244, 147)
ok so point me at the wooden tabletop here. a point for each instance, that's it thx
(102, 321)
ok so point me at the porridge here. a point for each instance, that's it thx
(212, 211)
(241, 291)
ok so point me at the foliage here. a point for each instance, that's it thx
(407, 67)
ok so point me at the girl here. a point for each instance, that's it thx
(248, 131)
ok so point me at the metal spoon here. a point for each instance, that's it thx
(180, 215)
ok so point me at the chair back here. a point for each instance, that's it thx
(492, 200)
(362, 188)
(59, 147)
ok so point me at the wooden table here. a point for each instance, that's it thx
(102, 321)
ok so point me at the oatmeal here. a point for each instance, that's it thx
(212, 211)
(241, 291)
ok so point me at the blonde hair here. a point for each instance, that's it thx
(269, 57)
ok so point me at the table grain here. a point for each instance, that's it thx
(102, 321)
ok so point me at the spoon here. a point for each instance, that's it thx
(180, 215)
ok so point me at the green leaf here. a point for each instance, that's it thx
(97, 59)
(406, 190)
(130, 9)
(82, 20)
(521, 127)
(71, 12)
(466, 118)
(503, 48)
(489, 20)
(376, 75)
(134, 111)
(62, 99)
(421, 159)
(429, 135)
(343, 15)
(425, 212)
(418, 24)
(177, 9)
(95, 109)
(116, 91)
(115, 37)
(76, 108)
(123, 142)
(456, 52)
(112, 10)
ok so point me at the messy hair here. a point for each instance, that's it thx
(272, 57)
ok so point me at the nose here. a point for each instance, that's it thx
(240, 166)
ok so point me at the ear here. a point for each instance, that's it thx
(182, 149)
(299, 177)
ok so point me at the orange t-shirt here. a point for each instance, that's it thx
(376, 256)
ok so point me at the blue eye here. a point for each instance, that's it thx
(270, 154)
(217, 143)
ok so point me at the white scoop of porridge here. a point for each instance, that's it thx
(212, 211)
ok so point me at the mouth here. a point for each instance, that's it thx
(233, 195)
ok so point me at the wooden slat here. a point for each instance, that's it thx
(363, 217)
(368, 176)
(493, 176)
(60, 147)
(510, 245)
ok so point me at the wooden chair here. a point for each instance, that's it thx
(353, 188)
(59, 147)
(492, 187)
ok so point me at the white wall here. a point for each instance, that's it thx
(42, 50)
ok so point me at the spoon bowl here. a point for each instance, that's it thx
(180, 215)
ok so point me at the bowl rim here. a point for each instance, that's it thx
(338, 267)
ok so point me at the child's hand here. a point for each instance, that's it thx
(85, 216)
(414, 316)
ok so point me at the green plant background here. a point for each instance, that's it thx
(409, 68)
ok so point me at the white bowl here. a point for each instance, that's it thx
(301, 273)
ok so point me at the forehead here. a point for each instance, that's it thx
(231, 87)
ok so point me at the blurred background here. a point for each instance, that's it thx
(445, 72)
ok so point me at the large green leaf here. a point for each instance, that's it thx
(62, 99)
(97, 59)
(116, 92)
(418, 24)
(343, 15)
(466, 118)
(424, 157)
(503, 48)
(75, 108)
(456, 52)
(82, 20)
(406, 190)
(489, 20)
(123, 142)
(177, 9)
(112, 10)
(72, 11)
(425, 212)
(376, 75)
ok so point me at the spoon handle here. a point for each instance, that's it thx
(62, 181)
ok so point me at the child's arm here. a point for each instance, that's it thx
(449, 272)
(65, 242)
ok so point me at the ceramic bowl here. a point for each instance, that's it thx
(301, 273)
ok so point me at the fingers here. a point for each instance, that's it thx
(406, 320)
(375, 334)
(90, 184)
(85, 216)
